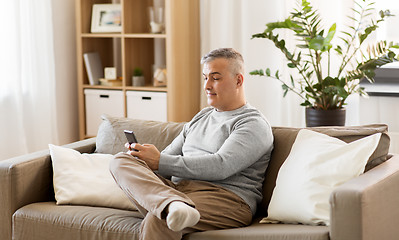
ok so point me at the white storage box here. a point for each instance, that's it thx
(100, 102)
(146, 105)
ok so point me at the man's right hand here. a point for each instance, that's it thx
(146, 152)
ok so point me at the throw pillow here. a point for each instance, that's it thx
(85, 179)
(284, 137)
(111, 139)
(316, 165)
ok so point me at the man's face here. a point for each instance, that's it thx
(221, 85)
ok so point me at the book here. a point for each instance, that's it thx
(94, 67)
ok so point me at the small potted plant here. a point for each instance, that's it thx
(138, 78)
(322, 90)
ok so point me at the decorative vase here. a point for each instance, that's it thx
(320, 117)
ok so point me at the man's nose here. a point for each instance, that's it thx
(208, 84)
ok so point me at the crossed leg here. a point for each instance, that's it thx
(154, 196)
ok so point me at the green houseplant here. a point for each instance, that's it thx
(317, 85)
(138, 79)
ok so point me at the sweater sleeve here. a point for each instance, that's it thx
(249, 140)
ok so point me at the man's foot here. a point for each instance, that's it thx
(180, 215)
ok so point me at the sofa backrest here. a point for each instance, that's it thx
(111, 139)
(284, 138)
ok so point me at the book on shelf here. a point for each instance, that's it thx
(94, 67)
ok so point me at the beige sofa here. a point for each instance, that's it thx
(363, 208)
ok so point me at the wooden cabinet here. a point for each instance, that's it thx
(135, 46)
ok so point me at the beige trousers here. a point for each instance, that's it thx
(151, 193)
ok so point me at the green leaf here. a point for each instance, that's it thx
(317, 43)
(308, 89)
(268, 72)
(298, 58)
(358, 4)
(385, 13)
(331, 33)
(288, 24)
(345, 41)
(343, 82)
(257, 72)
(306, 104)
(285, 93)
(292, 81)
(302, 46)
(356, 11)
(338, 49)
(317, 86)
(291, 65)
(285, 89)
(328, 81)
(277, 75)
(349, 34)
(259, 35)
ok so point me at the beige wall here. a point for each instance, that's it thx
(65, 72)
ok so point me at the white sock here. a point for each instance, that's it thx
(180, 215)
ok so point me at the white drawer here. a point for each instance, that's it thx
(147, 105)
(98, 102)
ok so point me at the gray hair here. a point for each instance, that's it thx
(235, 58)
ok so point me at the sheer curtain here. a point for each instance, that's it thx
(231, 23)
(27, 90)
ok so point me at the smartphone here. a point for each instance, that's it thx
(130, 136)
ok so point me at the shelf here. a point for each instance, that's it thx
(144, 35)
(101, 35)
(119, 35)
(87, 86)
(148, 88)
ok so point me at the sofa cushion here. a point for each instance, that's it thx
(257, 231)
(111, 139)
(284, 137)
(315, 166)
(85, 179)
(48, 221)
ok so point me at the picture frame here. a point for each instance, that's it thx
(106, 18)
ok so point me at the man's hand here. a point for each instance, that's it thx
(146, 152)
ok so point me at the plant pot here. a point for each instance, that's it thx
(138, 81)
(320, 117)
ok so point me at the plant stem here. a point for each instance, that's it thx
(290, 88)
(344, 60)
(329, 63)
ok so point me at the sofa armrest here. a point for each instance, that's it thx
(366, 207)
(27, 179)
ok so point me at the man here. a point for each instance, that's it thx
(217, 163)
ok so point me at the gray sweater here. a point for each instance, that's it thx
(231, 149)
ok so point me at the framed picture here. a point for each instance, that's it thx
(106, 18)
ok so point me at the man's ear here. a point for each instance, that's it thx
(240, 79)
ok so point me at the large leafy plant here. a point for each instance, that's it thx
(317, 86)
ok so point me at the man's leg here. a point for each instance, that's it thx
(219, 208)
(152, 195)
(153, 228)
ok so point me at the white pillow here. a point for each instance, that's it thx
(316, 165)
(85, 179)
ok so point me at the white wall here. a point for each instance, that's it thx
(65, 72)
